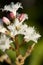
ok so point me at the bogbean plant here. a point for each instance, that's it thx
(17, 39)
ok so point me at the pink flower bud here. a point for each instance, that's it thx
(6, 20)
(11, 16)
(22, 17)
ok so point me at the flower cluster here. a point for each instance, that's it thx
(15, 26)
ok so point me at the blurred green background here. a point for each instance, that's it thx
(34, 9)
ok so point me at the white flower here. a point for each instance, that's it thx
(12, 30)
(2, 29)
(28, 32)
(13, 7)
(22, 29)
(4, 42)
(31, 35)
(15, 27)
(17, 22)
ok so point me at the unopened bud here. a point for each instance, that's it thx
(6, 20)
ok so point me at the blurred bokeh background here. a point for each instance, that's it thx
(34, 9)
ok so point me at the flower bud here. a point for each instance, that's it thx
(22, 17)
(6, 20)
(11, 15)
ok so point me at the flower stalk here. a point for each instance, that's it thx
(21, 59)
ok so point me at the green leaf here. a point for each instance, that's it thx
(1, 52)
(29, 43)
(12, 45)
(20, 39)
(11, 54)
(23, 49)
